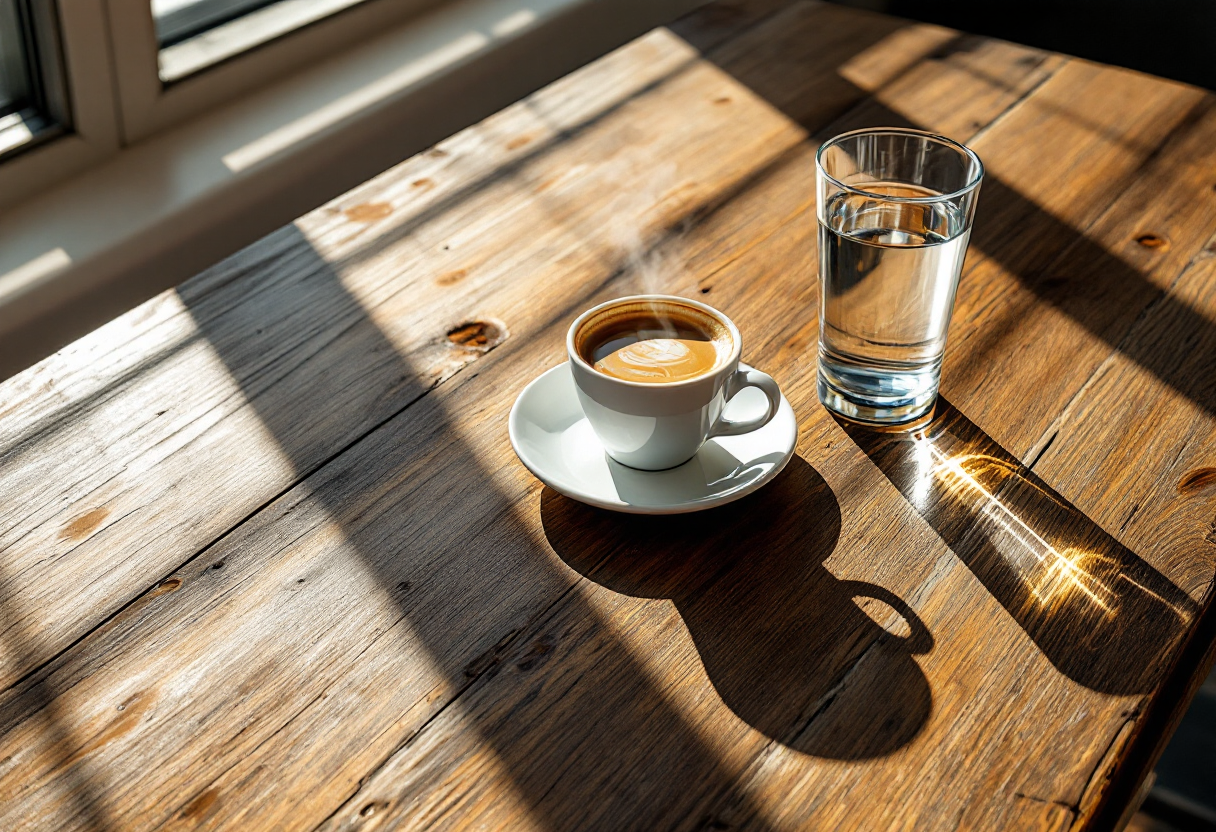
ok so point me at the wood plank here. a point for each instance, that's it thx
(120, 434)
(989, 75)
(1046, 784)
(714, 23)
(1159, 432)
(977, 712)
(1060, 263)
(225, 333)
(601, 664)
(793, 60)
(161, 400)
(1039, 270)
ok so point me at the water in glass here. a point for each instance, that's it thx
(889, 272)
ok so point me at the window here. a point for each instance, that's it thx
(176, 58)
(177, 20)
(194, 34)
(81, 78)
(32, 105)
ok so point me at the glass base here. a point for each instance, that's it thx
(873, 397)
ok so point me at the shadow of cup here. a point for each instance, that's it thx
(785, 643)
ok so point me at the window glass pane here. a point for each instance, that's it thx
(177, 20)
(195, 34)
(33, 99)
(14, 65)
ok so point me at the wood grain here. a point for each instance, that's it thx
(1021, 237)
(183, 412)
(1025, 802)
(277, 567)
(319, 308)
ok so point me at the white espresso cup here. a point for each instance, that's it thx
(653, 426)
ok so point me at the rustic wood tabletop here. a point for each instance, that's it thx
(269, 562)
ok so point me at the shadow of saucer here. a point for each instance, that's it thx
(785, 643)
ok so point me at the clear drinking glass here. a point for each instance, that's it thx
(895, 209)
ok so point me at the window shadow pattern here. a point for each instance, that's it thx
(1102, 615)
(585, 765)
(67, 748)
(765, 669)
(784, 642)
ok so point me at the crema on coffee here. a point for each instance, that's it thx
(651, 349)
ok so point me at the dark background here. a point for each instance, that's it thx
(1171, 38)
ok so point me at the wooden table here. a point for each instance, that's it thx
(270, 563)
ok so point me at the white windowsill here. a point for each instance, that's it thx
(165, 208)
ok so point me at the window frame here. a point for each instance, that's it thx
(163, 209)
(148, 105)
(88, 129)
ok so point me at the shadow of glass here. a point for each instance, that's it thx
(784, 642)
(1103, 616)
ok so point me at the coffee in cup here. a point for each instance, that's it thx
(653, 347)
(654, 374)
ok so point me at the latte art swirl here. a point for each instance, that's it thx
(659, 360)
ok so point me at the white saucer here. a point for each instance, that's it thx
(556, 443)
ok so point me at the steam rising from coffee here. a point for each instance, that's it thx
(631, 213)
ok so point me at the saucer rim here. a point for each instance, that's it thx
(632, 508)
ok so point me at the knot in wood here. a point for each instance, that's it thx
(1152, 241)
(1196, 479)
(372, 808)
(479, 336)
(368, 212)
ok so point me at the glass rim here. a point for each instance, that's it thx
(902, 131)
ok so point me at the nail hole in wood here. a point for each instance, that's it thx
(201, 804)
(454, 276)
(84, 525)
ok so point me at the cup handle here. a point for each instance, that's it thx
(739, 380)
(919, 639)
